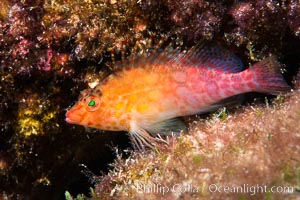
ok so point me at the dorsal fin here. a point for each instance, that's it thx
(204, 54)
(213, 57)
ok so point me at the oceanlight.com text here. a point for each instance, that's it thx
(250, 189)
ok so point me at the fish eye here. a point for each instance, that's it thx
(92, 103)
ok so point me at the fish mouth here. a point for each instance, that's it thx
(68, 120)
(73, 116)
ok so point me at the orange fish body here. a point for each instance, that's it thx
(145, 98)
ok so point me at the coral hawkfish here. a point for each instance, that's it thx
(145, 97)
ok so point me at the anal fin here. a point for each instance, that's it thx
(230, 101)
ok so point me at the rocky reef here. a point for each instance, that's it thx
(50, 50)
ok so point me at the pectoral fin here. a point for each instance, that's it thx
(167, 127)
(141, 138)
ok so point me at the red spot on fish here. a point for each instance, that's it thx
(89, 123)
(223, 85)
(248, 77)
(236, 86)
(251, 85)
(228, 92)
(226, 79)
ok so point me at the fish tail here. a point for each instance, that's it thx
(267, 77)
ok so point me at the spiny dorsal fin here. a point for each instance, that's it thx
(204, 54)
(214, 57)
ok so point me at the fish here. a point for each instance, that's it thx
(147, 95)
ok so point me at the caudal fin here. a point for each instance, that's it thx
(268, 78)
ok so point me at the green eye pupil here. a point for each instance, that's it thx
(92, 103)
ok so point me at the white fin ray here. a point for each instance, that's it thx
(141, 138)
